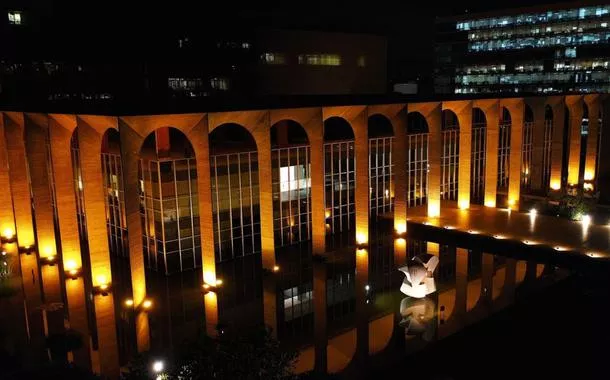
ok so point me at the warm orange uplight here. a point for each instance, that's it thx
(490, 204)
(464, 204)
(104, 286)
(102, 280)
(70, 265)
(555, 185)
(362, 239)
(8, 233)
(129, 302)
(512, 202)
(147, 304)
(401, 228)
(589, 175)
(218, 282)
(206, 286)
(276, 268)
(434, 209)
(327, 214)
(587, 186)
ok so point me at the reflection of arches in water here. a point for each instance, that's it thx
(521, 271)
(418, 317)
(381, 330)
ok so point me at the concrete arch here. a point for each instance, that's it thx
(379, 126)
(417, 123)
(449, 120)
(288, 132)
(337, 128)
(432, 113)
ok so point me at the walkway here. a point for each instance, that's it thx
(521, 235)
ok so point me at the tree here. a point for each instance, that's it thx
(249, 355)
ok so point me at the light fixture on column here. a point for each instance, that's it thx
(555, 185)
(8, 236)
(490, 204)
(48, 260)
(72, 270)
(362, 241)
(464, 204)
(147, 304)
(103, 285)
(213, 287)
(28, 249)
(400, 230)
(589, 175)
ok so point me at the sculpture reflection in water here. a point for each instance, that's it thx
(417, 311)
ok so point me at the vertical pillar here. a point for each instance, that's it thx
(603, 175)
(461, 282)
(200, 141)
(53, 316)
(7, 217)
(270, 302)
(592, 102)
(319, 309)
(77, 310)
(557, 144)
(108, 349)
(315, 133)
(131, 143)
(434, 161)
(538, 134)
(516, 109)
(262, 136)
(14, 125)
(399, 162)
(575, 106)
(61, 128)
(465, 155)
(359, 124)
(492, 114)
(90, 135)
(33, 302)
(36, 136)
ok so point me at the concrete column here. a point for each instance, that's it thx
(359, 123)
(198, 137)
(400, 148)
(91, 131)
(14, 127)
(516, 109)
(492, 114)
(262, 136)
(7, 217)
(434, 118)
(575, 106)
(270, 302)
(461, 282)
(593, 103)
(77, 311)
(108, 349)
(131, 143)
(320, 320)
(61, 128)
(557, 143)
(463, 111)
(36, 137)
(536, 168)
(603, 175)
(315, 133)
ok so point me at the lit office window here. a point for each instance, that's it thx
(320, 59)
(221, 84)
(273, 58)
(14, 18)
(380, 175)
(361, 61)
(570, 52)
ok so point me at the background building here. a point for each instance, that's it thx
(545, 49)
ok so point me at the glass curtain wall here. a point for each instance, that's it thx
(478, 156)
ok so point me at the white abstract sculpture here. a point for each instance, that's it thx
(419, 276)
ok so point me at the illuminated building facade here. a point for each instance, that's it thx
(553, 49)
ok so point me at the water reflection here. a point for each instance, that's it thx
(340, 309)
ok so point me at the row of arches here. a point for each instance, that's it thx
(168, 181)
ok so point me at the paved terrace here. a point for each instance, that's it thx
(521, 235)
